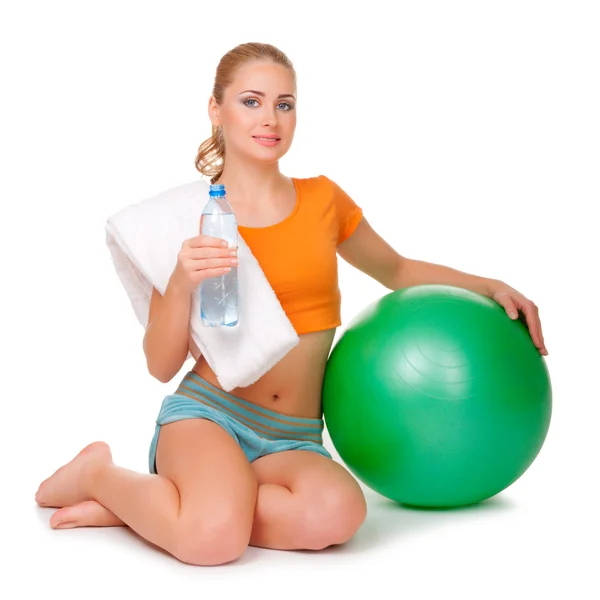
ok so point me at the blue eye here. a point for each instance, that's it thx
(284, 106)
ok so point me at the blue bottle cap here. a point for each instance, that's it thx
(217, 189)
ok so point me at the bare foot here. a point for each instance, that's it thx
(66, 486)
(85, 514)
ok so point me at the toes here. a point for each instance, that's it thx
(85, 514)
(41, 496)
(61, 519)
(63, 525)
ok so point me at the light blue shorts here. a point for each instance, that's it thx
(259, 431)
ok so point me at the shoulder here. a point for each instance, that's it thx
(318, 185)
(329, 197)
(315, 181)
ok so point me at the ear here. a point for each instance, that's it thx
(213, 112)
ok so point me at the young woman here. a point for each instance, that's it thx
(248, 467)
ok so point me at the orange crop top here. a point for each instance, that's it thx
(298, 255)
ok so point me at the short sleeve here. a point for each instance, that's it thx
(348, 212)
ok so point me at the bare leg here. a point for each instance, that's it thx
(199, 509)
(92, 475)
(305, 501)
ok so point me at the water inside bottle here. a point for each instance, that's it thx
(219, 295)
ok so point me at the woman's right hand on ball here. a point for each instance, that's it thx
(202, 257)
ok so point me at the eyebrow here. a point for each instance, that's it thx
(263, 95)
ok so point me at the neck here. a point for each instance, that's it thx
(250, 183)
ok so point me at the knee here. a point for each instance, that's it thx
(211, 541)
(333, 517)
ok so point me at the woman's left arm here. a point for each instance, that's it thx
(367, 251)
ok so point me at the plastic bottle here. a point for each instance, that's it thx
(219, 295)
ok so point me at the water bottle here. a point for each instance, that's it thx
(219, 295)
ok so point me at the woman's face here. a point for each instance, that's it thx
(258, 112)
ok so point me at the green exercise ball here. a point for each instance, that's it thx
(434, 397)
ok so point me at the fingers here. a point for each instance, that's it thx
(202, 247)
(195, 276)
(206, 241)
(200, 260)
(519, 307)
(212, 263)
(208, 273)
(203, 257)
(510, 306)
(208, 252)
(532, 318)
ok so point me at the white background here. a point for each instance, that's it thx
(468, 131)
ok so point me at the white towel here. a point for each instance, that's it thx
(144, 240)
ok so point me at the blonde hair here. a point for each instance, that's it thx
(211, 153)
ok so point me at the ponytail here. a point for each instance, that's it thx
(211, 155)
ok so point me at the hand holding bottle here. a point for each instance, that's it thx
(200, 258)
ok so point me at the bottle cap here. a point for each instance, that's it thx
(217, 189)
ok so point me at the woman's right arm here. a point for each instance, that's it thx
(166, 341)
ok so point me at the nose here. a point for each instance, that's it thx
(269, 117)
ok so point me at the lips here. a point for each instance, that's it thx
(268, 141)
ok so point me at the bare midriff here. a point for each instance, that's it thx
(291, 387)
